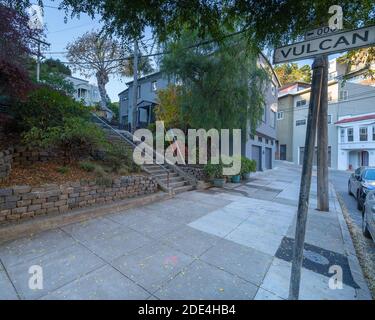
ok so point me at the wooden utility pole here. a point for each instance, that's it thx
(322, 154)
(39, 55)
(135, 86)
(304, 194)
(38, 64)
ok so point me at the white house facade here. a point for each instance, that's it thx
(351, 109)
(84, 91)
(356, 136)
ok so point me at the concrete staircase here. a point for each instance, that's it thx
(169, 177)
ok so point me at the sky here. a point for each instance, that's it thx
(59, 34)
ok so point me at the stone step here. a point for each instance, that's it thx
(183, 189)
(156, 171)
(175, 185)
(164, 175)
(172, 179)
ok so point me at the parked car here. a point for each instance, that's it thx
(368, 218)
(360, 183)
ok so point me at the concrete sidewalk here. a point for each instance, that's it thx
(232, 243)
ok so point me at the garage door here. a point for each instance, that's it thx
(268, 159)
(256, 154)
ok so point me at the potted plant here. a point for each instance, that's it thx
(247, 166)
(236, 178)
(215, 173)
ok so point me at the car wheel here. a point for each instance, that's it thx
(365, 230)
(349, 189)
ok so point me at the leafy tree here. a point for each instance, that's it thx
(216, 76)
(97, 54)
(290, 72)
(15, 46)
(169, 108)
(52, 73)
(269, 22)
(361, 58)
(115, 108)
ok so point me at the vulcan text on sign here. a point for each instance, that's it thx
(333, 43)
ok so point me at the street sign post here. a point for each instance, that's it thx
(318, 44)
(329, 44)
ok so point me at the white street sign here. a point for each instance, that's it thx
(332, 43)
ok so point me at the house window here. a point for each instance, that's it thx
(300, 122)
(154, 85)
(301, 103)
(363, 134)
(264, 114)
(82, 93)
(350, 134)
(330, 98)
(273, 89)
(342, 135)
(273, 119)
(373, 133)
(343, 95)
(329, 119)
(280, 115)
(139, 92)
(260, 139)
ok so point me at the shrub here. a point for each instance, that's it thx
(214, 171)
(87, 166)
(99, 171)
(247, 165)
(76, 138)
(63, 170)
(117, 157)
(46, 108)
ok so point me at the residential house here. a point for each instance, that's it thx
(84, 91)
(141, 116)
(351, 106)
(261, 146)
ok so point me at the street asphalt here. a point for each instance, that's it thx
(339, 179)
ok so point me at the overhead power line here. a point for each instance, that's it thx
(205, 42)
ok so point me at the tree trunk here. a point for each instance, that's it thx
(102, 79)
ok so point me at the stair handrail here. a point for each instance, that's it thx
(129, 141)
(175, 168)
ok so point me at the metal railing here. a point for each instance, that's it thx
(122, 136)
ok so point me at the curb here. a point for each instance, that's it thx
(23, 229)
(363, 293)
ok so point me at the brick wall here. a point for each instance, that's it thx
(6, 161)
(25, 202)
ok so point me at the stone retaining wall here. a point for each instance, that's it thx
(27, 156)
(23, 202)
(195, 171)
(6, 161)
